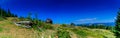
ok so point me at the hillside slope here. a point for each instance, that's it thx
(9, 30)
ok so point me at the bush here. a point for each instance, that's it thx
(47, 26)
(64, 25)
(82, 33)
(63, 34)
(38, 25)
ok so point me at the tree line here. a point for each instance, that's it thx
(4, 13)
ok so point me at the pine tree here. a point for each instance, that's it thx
(9, 13)
(117, 27)
(1, 12)
(4, 13)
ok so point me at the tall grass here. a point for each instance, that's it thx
(63, 33)
(1, 29)
(81, 33)
(1, 18)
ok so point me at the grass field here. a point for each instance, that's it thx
(9, 30)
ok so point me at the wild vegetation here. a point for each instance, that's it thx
(117, 27)
(46, 29)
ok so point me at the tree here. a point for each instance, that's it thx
(117, 27)
(72, 24)
(4, 13)
(9, 13)
(0, 12)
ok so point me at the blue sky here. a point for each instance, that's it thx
(66, 11)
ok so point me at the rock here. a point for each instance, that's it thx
(26, 24)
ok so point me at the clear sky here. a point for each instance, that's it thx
(66, 11)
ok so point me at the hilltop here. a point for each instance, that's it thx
(9, 30)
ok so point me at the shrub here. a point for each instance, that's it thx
(47, 26)
(82, 33)
(64, 25)
(37, 26)
(63, 34)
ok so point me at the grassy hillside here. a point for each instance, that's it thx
(9, 30)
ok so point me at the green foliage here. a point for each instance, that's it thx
(1, 18)
(39, 25)
(63, 34)
(117, 27)
(97, 26)
(4, 13)
(47, 26)
(64, 25)
(1, 29)
(82, 33)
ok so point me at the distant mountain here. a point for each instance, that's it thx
(107, 24)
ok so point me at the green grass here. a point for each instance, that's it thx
(5, 36)
(81, 33)
(47, 26)
(1, 19)
(62, 32)
(1, 29)
(54, 31)
(96, 33)
(1, 25)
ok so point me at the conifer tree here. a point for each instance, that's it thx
(0, 12)
(9, 13)
(117, 27)
(3, 13)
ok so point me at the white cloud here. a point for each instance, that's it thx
(87, 19)
(93, 20)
